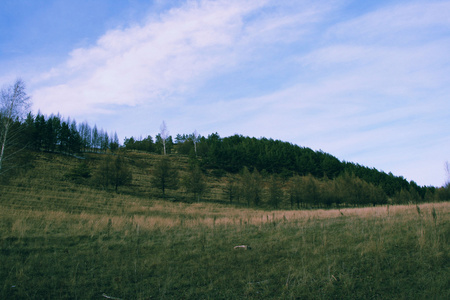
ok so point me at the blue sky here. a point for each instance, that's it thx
(366, 81)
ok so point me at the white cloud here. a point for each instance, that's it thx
(172, 54)
(149, 62)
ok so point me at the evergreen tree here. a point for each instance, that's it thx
(95, 142)
(129, 143)
(165, 176)
(443, 193)
(246, 185)
(251, 186)
(52, 131)
(79, 173)
(30, 134)
(294, 190)
(114, 172)
(75, 141)
(147, 144)
(231, 189)
(104, 140)
(275, 191)
(121, 174)
(310, 189)
(64, 137)
(114, 143)
(194, 181)
(85, 134)
(39, 125)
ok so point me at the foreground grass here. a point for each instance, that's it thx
(64, 240)
(153, 249)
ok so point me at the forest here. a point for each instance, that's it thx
(257, 171)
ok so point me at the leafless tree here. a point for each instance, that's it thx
(447, 171)
(195, 137)
(14, 106)
(164, 133)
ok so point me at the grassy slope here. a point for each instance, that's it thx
(62, 240)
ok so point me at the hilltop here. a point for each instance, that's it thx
(256, 171)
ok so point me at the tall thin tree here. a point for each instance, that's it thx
(447, 171)
(164, 133)
(195, 138)
(14, 105)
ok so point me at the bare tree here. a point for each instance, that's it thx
(164, 135)
(447, 171)
(195, 137)
(14, 106)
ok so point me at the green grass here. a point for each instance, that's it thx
(61, 240)
(314, 256)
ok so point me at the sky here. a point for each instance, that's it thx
(366, 81)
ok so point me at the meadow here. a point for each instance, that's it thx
(63, 240)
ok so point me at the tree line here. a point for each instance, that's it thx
(55, 134)
(305, 177)
(263, 189)
(231, 155)
(319, 175)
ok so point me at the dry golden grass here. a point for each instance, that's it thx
(312, 254)
(60, 239)
(157, 214)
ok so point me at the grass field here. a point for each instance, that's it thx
(60, 240)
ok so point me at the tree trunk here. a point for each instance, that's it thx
(2, 153)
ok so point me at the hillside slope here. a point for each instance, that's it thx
(230, 156)
(50, 181)
(62, 238)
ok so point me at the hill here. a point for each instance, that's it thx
(66, 236)
(320, 178)
(259, 183)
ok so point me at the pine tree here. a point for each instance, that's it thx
(165, 176)
(295, 193)
(275, 191)
(114, 172)
(194, 182)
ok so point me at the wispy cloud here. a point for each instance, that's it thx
(172, 53)
(167, 55)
